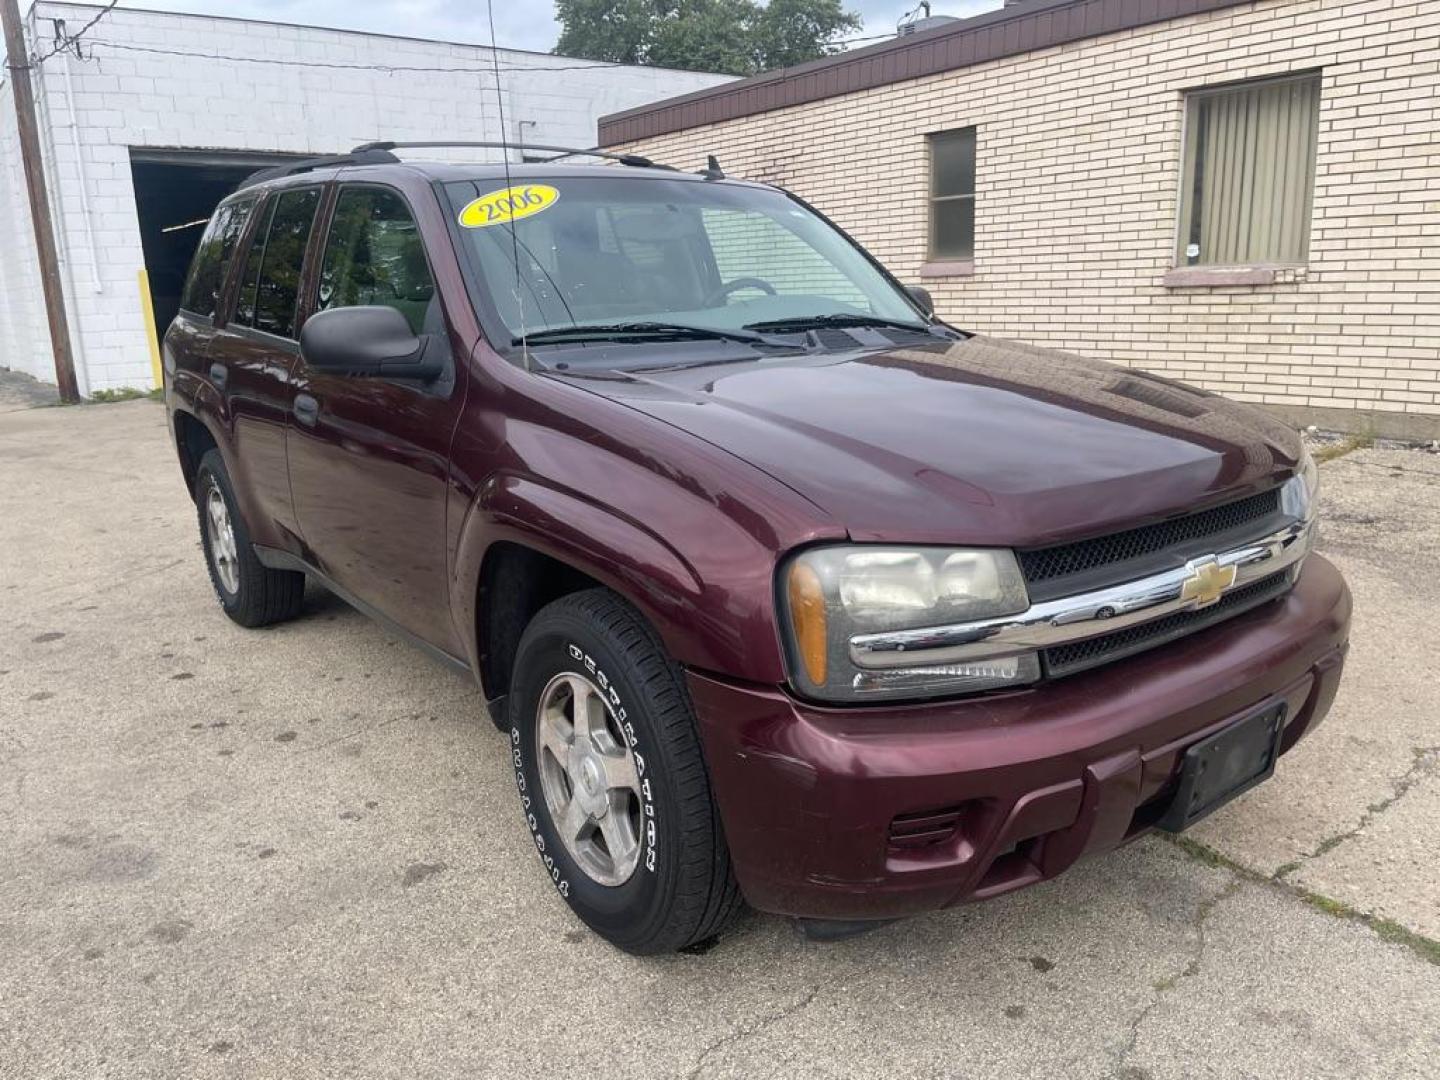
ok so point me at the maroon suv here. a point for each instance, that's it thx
(781, 588)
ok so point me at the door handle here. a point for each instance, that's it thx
(307, 409)
(218, 374)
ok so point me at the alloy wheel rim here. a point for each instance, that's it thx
(224, 553)
(589, 779)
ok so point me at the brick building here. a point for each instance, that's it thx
(161, 115)
(1244, 194)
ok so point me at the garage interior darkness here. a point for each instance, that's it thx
(175, 193)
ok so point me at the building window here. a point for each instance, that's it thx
(1248, 172)
(952, 195)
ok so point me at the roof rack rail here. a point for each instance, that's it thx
(633, 160)
(361, 156)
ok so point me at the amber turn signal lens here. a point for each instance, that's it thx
(807, 617)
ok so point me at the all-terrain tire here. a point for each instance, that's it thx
(261, 596)
(683, 891)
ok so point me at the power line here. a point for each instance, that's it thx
(386, 68)
(74, 39)
(589, 65)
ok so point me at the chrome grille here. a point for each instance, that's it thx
(1068, 659)
(1064, 560)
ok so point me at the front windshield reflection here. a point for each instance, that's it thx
(602, 251)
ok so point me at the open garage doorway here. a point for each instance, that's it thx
(175, 193)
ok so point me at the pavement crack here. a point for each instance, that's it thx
(1425, 763)
(1390, 467)
(1164, 985)
(743, 1034)
(1428, 949)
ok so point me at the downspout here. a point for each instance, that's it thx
(95, 283)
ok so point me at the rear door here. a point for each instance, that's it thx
(254, 357)
(370, 457)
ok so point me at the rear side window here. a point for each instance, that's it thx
(212, 257)
(375, 256)
(271, 284)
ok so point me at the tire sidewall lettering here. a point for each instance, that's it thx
(597, 674)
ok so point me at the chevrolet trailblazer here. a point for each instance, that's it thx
(782, 590)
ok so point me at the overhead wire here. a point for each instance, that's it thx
(73, 39)
(335, 65)
(340, 65)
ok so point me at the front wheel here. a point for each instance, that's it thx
(612, 780)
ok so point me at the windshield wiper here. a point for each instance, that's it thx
(815, 322)
(649, 331)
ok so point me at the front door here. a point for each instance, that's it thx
(370, 457)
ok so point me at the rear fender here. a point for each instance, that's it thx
(200, 400)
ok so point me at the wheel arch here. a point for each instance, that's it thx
(526, 543)
(515, 582)
(193, 440)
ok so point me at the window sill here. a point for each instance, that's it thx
(1192, 277)
(944, 268)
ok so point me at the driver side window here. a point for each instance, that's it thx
(374, 255)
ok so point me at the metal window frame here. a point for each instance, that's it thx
(1191, 94)
(931, 254)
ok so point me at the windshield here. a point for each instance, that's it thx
(600, 251)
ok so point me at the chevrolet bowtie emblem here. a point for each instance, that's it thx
(1207, 582)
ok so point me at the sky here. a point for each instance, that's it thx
(519, 24)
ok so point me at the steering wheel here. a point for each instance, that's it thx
(735, 285)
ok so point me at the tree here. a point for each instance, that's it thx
(794, 31)
(705, 35)
(613, 30)
(737, 37)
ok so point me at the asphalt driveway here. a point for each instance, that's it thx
(296, 852)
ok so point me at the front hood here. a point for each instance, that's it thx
(977, 441)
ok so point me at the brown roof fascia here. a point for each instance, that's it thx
(1011, 31)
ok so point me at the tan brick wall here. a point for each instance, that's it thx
(1077, 174)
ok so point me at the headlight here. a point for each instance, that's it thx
(831, 594)
(1297, 497)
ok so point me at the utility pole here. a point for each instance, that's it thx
(18, 63)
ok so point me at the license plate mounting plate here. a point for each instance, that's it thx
(1224, 765)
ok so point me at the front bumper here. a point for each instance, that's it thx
(882, 812)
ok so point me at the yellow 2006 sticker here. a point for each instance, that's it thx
(508, 204)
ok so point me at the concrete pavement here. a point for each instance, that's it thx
(296, 852)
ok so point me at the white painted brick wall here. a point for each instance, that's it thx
(24, 340)
(124, 99)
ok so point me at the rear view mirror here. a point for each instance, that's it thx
(921, 296)
(373, 340)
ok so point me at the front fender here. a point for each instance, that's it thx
(723, 626)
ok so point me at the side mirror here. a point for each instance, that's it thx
(921, 296)
(367, 341)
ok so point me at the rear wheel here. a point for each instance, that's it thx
(612, 780)
(250, 593)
